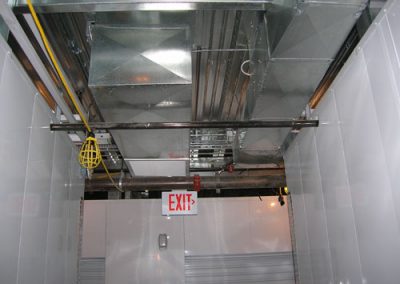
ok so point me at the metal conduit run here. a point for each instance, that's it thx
(297, 124)
(156, 183)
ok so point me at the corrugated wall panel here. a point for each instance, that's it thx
(241, 268)
(92, 270)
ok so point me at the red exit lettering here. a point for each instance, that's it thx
(180, 201)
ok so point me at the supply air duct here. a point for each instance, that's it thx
(141, 72)
(303, 38)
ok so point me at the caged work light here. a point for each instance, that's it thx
(90, 155)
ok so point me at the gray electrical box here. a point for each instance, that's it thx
(162, 241)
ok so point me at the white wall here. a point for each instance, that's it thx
(344, 175)
(41, 185)
(237, 226)
(126, 232)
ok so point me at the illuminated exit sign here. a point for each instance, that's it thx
(179, 203)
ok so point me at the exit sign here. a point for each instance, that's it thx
(179, 203)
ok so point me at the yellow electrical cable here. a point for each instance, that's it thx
(89, 156)
(110, 177)
(56, 66)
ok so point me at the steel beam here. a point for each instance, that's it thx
(295, 123)
(16, 29)
(70, 6)
(31, 25)
(182, 182)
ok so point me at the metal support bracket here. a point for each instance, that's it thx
(291, 123)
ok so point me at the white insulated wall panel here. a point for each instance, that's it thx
(358, 159)
(4, 52)
(16, 101)
(32, 258)
(75, 194)
(293, 180)
(132, 251)
(94, 229)
(126, 232)
(58, 212)
(314, 205)
(237, 226)
(390, 15)
(336, 193)
(35, 202)
(387, 106)
(367, 172)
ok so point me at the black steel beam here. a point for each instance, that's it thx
(182, 182)
(290, 123)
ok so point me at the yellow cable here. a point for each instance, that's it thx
(64, 82)
(105, 175)
(56, 66)
(110, 177)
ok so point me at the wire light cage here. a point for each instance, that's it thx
(90, 155)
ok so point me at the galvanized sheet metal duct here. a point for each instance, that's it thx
(302, 42)
(141, 72)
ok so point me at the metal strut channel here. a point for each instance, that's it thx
(296, 123)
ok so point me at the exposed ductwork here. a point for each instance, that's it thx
(213, 65)
(209, 64)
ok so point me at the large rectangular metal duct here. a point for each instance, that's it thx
(300, 42)
(140, 71)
